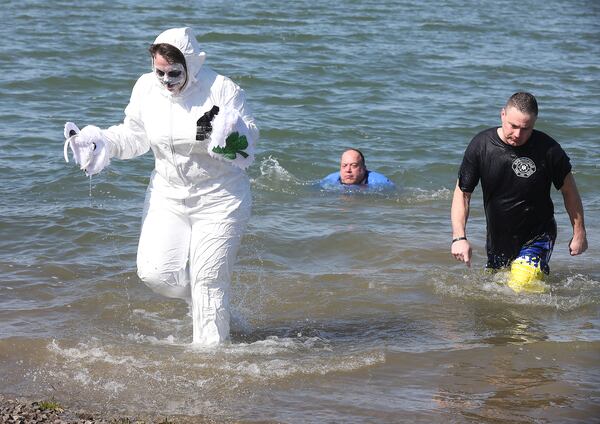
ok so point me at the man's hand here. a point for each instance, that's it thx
(461, 250)
(578, 244)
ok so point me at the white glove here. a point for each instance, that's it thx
(88, 147)
(231, 140)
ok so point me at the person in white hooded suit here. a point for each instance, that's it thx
(198, 201)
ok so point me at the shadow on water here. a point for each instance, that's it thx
(510, 390)
(502, 326)
(358, 333)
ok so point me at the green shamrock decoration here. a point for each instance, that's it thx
(234, 143)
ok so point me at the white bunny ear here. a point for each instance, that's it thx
(70, 129)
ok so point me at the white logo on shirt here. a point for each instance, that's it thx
(523, 167)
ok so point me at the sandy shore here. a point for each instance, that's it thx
(21, 411)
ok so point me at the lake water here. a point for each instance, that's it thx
(346, 308)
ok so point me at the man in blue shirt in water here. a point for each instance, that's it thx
(517, 166)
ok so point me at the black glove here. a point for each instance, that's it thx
(203, 126)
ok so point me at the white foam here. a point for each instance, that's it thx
(565, 293)
(142, 338)
(83, 377)
(418, 195)
(114, 387)
(84, 352)
(306, 365)
(155, 317)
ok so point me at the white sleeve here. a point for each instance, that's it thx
(129, 139)
(234, 97)
(233, 117)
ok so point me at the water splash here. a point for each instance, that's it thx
(419, 195)
(275, 178)
(565, 292)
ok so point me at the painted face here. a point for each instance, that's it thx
(516, 126)
(352, 168)
(171, 75)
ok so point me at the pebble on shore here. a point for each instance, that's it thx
(22, 411)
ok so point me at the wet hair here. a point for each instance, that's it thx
(362, 157)
(171, 53)
(523, 102)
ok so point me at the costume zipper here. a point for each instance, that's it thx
(172, 144)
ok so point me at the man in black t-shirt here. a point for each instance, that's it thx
(516, 165)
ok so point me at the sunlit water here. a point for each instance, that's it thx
(346, 308)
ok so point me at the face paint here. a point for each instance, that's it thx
(171, 76)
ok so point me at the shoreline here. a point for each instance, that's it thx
(23, 410)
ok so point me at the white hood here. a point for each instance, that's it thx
(185, 40)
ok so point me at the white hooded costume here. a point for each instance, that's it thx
(198, 201)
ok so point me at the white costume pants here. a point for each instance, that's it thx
(187, 250)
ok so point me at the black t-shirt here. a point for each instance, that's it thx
(516, 187)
